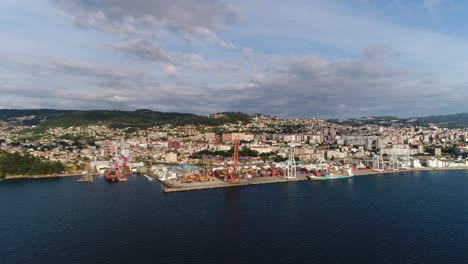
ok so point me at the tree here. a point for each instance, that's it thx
(280, 158)
(264, 156)
(17, 164)
(247, 152)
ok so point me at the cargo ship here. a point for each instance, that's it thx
(110, 176)
(114, 176)
(331, 176)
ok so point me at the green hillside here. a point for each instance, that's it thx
(140, 118)
(17, 164)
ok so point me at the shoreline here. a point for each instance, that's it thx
(370, 172)
(46, 176)
(170, 188)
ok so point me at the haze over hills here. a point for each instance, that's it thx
(459, 120)
(145, 118)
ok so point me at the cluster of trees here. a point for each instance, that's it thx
(17, 164)
(230, 117)
(244, 152)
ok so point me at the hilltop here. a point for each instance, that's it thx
(449, 121)
(142, 118)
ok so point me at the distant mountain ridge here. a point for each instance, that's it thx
(459, 120)
(141, 118)
(144, 118)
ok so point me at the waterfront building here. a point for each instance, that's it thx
(171, 157)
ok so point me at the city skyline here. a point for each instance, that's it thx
(325, 59)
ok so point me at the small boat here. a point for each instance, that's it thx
(148, 177)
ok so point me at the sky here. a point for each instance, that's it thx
(298, 58)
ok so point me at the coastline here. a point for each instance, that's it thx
(46, 176)
(196, 187)
(370, 172)
(169, 188)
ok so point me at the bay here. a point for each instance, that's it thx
(411, 217)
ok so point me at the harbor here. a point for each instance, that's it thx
(174, 186)
(219, 184)
(187, 177)
(139, 209)
(235, 171)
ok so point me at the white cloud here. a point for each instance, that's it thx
(192, 19)
(171, 69)
(295, 58)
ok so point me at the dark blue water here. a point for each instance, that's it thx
(417, 217)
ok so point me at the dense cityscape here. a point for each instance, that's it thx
(264, 142)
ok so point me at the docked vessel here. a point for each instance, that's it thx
(110, 176)
(331, 176)
(119, 161)
(114, 176)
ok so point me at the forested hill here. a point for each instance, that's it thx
(18, 164)
(114, 118)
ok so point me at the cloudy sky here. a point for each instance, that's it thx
(304, 58)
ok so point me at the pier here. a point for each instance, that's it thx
(171, 187)
(85, 180)
(88, 176)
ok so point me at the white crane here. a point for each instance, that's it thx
(291, 163)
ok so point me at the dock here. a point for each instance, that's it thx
(88, 176)
(171, 187)
(220, 184)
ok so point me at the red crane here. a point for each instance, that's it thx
(234, 168)
(235, 154)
